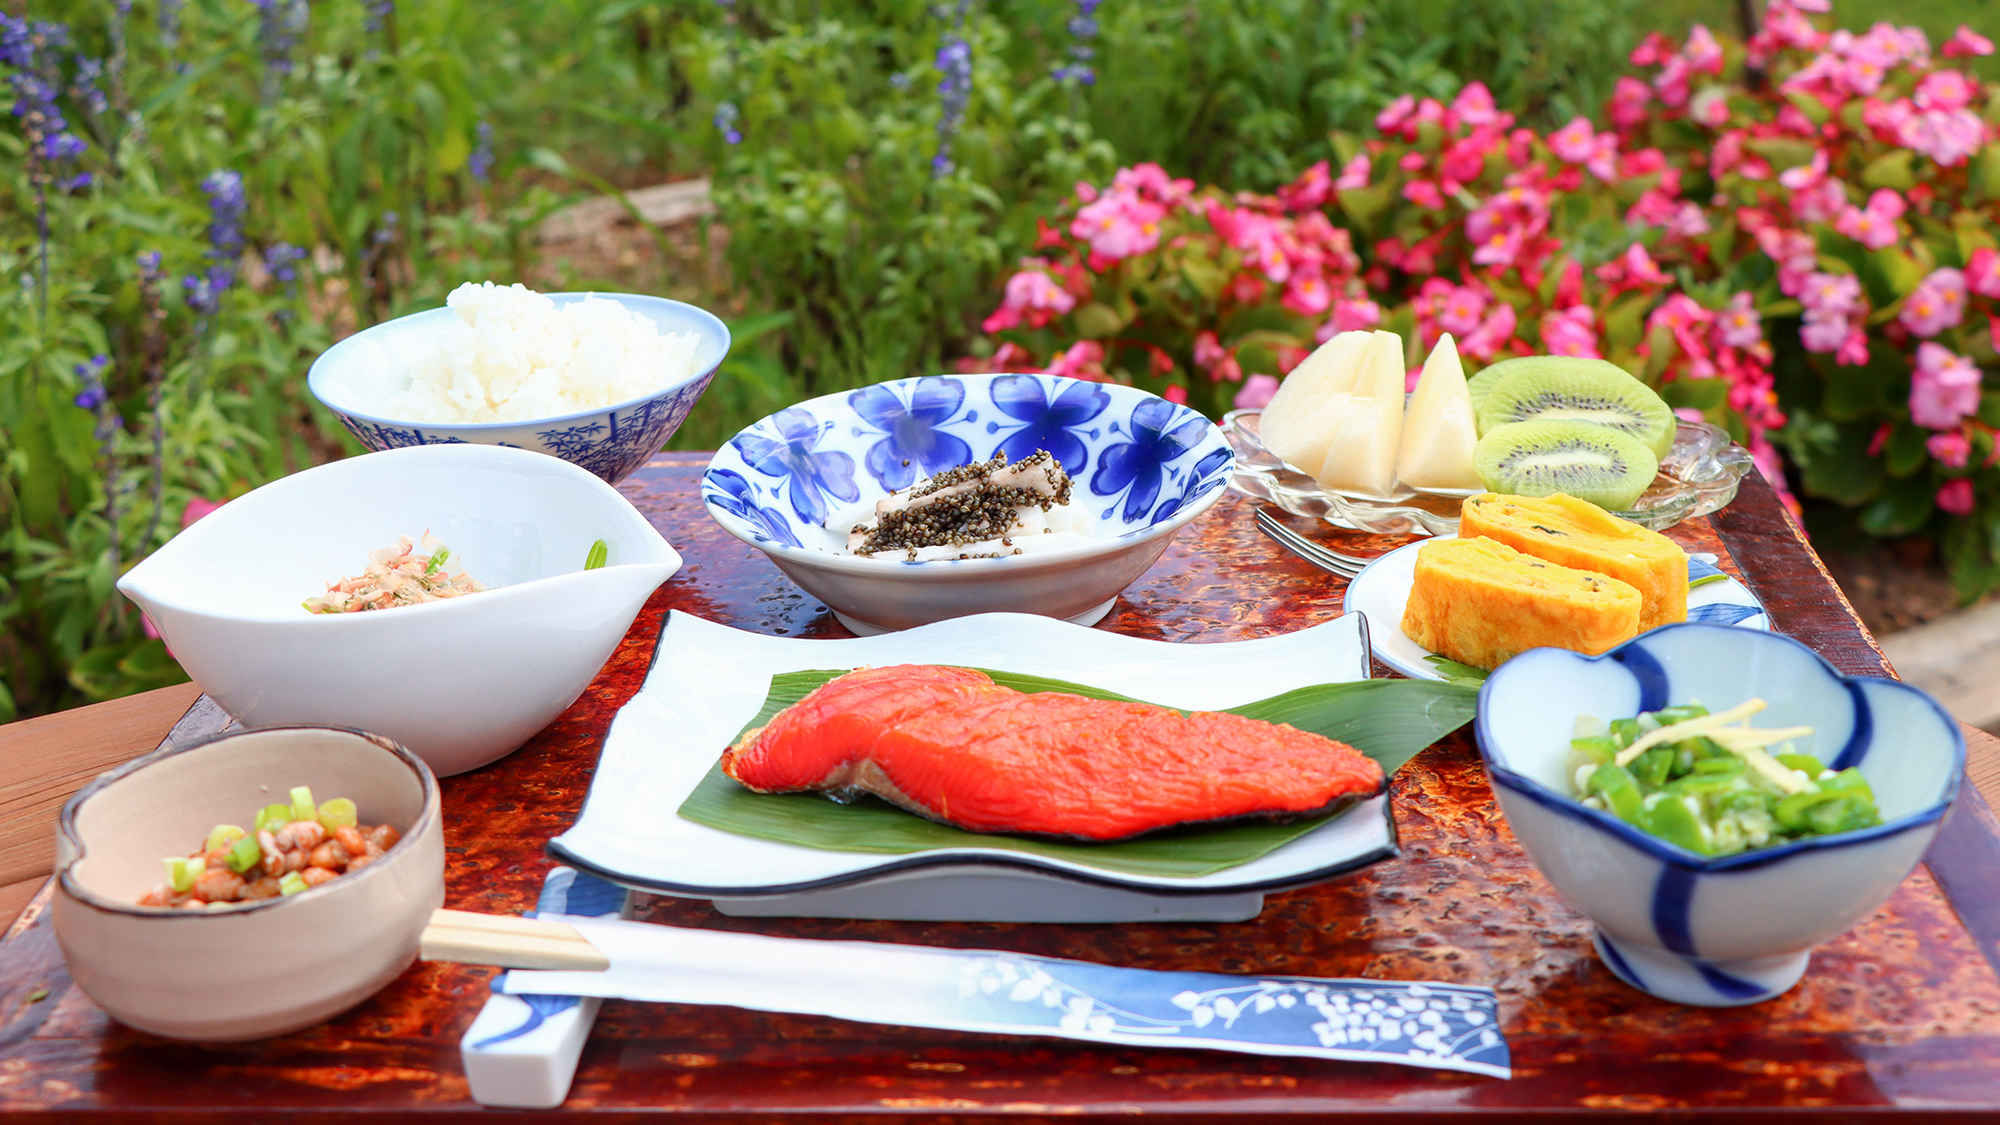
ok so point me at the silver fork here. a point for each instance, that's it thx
(1347, 566)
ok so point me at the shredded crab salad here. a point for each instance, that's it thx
(408, 573)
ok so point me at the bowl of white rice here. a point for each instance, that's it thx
(598, 379)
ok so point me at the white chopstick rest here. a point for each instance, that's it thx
(522, 1052)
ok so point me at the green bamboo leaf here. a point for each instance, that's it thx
(1388, 720)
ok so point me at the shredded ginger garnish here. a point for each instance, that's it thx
(405, 574)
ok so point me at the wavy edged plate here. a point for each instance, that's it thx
(1698, 476)
(708, 680)
(1383, 586)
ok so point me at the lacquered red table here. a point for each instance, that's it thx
(1898, 1017)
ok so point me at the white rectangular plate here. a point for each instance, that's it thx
(708, 680)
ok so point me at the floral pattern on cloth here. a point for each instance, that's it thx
(1441, 1025)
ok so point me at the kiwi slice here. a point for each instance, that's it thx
(1606, 466)
(1560, 387)
(1477, 385)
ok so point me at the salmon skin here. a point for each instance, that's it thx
(952, 745)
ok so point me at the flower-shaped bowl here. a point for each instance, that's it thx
(1143, 467)
(357, 378)
(461, 681)
(1698, 476)
(259, 968)
(1732, 929)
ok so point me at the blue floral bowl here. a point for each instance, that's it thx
(1732, 929)
(1143, 468)
(354, 377)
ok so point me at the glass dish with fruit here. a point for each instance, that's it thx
(1341, 441)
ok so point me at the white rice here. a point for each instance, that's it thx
(511, 355)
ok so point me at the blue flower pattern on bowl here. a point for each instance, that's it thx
(914, 444)
(1052, 415)
(1161, 434)
(790, 457)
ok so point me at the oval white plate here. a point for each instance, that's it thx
(1382, 587)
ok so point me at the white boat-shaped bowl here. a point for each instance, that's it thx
(460, 682)
(1732, 929)
(357, 377)
(1143, 467)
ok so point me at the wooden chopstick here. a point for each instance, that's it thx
(510, 943)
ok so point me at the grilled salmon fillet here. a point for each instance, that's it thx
(952, 745)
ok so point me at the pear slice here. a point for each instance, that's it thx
(1300, 418)
(1361, 453)
(1439, 430)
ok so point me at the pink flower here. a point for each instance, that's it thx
(1150, 181)
(1703, 53)
(1569, 332)
(1633, 269)
(1982, 272)
(1396, 113)
(1461, 309)
(1175, 393)
(1032, 293)
(1833, 294)
(1208, 350)
(1256, 393)
(1853, 351)
(1671, 84)
(1955, 496)
(1738, 325)
(1945, 89)
(1574, 142)
(1937, 303)
(1474, 106)
(1464, 160)
(198, 507)
(1711, 108)
(1083, 360)
(1353, 174)
(1967, 43)
(1823, 332)
(1484, 342)
(1948, 137)
(1873, 226)
(1118, 225)
(1652, 50)
(1944, 388)
(1310, 191)
(1425, 194)
(1629, 99)
(1951, 449)
(1261, 237)
(1353, 315)
(1307, 294)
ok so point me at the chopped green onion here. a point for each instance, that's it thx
(291, 884)
(182, 872)
(270, 818)
(437, 560)
(1706, 579)
(302, 804)
(338, 813)
(223, 836)
(598, 556)
(244, 855)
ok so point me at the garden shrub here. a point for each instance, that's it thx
(1797, 237)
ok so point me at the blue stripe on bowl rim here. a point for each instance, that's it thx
(1674, 854)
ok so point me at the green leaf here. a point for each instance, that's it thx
(1701, 394)
(1902, 507)
(1364, 204)
(1890, 170)
(1905, 451)
(1097, 320)
(1388, 720)
(1985, 174)
(1454, 672)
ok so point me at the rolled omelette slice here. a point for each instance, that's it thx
(1577, 533)
(952, 745)
(1481, 602)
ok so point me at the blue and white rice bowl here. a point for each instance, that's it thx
(1142, 466)
(1732, 929)
(358, 377)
